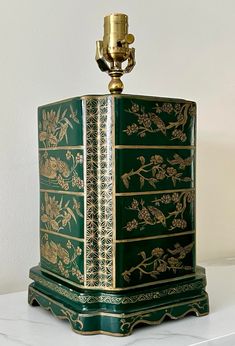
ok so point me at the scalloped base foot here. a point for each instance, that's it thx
(116, 313)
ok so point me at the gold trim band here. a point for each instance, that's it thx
(63, 192)
(155, 146)
(114, 228)
(72, 283)
(66, 147)
(61, 235)
(110, 314)
(139, 193)
(154, 237)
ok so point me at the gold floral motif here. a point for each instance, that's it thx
(63, 258)
(54, 126)
(56, 216)
(59, 172)
(160, 261)
(151, 215)
(157, 170)
(152, 122)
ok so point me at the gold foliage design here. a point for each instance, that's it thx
(64, 259)
(61, 173)
(158, 169)
(160, 261)
(111, 299)
(152, 122)
(54, 125)
(151, 214)
(127, 323)
(56, 215)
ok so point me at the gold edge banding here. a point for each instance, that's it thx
(72, 283)
(66, 147)
(61, 235)
(130, 240)
(85, 186)
(110, 314)
(155, 147)
(114, 190)
(63, 192)
(139, 193)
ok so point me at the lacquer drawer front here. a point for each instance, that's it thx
(148, 261)
(154, 121)
(61, 169)
(62, 213)
(154, 169)
(62, 256)
(140, 216)
(60, 124)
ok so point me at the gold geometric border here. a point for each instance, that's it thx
(121, 315)
(111, 299)
(99, 184)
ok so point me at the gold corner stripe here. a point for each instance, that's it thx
(155, 146)
(114, 191)
(84, 129)
(120, 289)
(130, 240)
(74, 147)
(139, 193)
(63, 192)
(61, 235)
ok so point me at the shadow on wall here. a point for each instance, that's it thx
(215, 199)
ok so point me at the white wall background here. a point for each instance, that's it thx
(184, 48)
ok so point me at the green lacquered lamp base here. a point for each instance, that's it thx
(117, 313)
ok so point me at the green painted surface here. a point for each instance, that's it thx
(138, 255)
(154, 121)
(144, 261)
(155, 215)
(62, 256)
(60, 124)
(93, 312)
(154, 169)
(61, 170)
(62, 213)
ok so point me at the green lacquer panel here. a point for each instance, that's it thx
(154, 121)
(154, 169)
(61, 170)
(62, 213)
(62, 256)
(155, 214)
(145, 261)
(60, 124)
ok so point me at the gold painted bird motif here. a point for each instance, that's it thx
(177, 160)
(158, 215)
(52, 166)
(158, 122)
(182, 251)
(52, 251)
(181, 119)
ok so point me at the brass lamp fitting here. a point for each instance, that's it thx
(114, 50)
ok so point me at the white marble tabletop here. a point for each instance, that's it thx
(23, 325)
